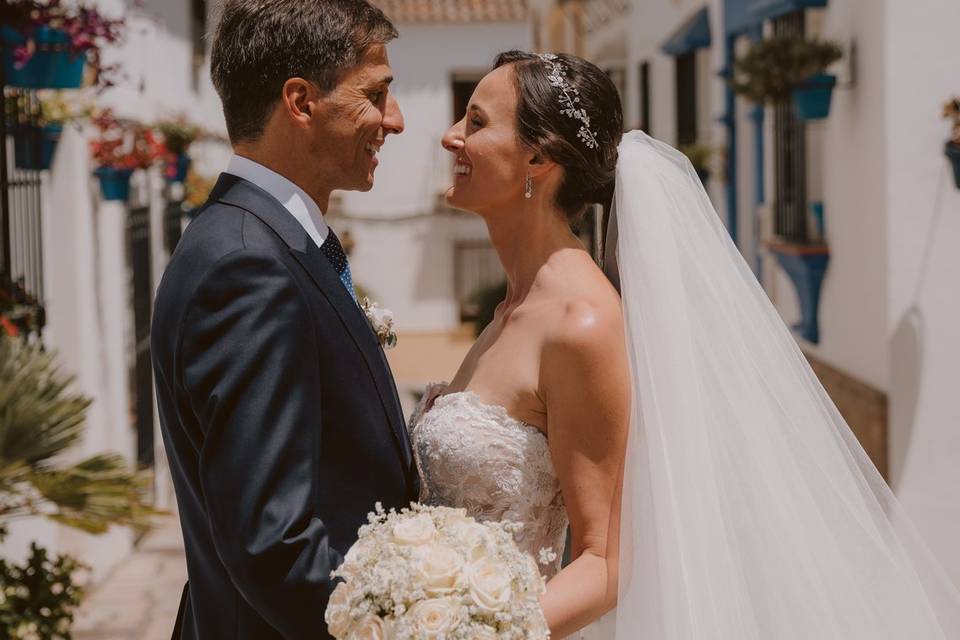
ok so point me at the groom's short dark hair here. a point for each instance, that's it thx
(259, 44)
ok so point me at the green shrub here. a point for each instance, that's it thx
(775, 66)
(486, 300)
(38, 599)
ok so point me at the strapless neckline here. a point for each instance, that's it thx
(474, 455)
(496, 411)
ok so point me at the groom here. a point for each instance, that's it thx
(280, 417)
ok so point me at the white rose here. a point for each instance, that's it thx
(440, 569)
(338, 610)
(474, 537)
(372, 628)
(415, 531)
(434, 618)
(490, 585)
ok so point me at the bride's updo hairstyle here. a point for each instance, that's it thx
(589, 164)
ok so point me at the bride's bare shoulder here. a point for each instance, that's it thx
(585, 310)
(583, 362)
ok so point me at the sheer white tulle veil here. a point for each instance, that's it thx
(750, 511)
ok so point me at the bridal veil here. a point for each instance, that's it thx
(750, 511)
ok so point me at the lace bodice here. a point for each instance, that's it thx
(474, 456)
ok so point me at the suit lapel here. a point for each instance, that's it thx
(241, 193)
(326, 278)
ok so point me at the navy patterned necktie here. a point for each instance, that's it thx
(334, 252)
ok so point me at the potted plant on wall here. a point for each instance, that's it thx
(699, 155)
(951, 111)
(120, 149)
(48, 45)
(177, 134)
(36, 141)
(789, 67)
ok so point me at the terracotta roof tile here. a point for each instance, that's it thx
(454, 11)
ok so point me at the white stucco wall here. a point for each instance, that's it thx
(156, 59)
(922, 235)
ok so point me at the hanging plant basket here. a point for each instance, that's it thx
(52, 66)
(114, 183)
(788, 67)
(812, 97)
(177, 168)
(953, 154)
(33, 146)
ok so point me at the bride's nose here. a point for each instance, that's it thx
(452, 140)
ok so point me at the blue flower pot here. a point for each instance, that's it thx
(176, 171)
(114, 183)
(811, 98)
(33, 147)
(953, 154)
(52, 66)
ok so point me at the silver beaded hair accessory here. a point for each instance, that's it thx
(569, 98)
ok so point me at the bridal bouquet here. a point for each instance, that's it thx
(433, 573)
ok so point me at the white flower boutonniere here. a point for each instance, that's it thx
(381, 321)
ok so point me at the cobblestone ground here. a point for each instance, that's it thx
(139, 600)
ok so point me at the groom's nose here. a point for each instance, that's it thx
(392, 118)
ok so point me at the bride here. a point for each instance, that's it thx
(711, 488)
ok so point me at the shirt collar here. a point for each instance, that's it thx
(294, 199)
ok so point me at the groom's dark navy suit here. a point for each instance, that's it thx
(279, 414)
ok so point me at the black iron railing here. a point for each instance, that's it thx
(790, 156)
(21, 232)
(141, 286)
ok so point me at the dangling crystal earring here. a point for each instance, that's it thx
(528, 188)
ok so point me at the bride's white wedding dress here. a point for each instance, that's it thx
(475, 456)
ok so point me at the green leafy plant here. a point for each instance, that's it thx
(197, 189)
(40, 419)
(486, 300)
(177, 134)
(21, 315)
(39, 598)
(951, 112)
(775, 66)
(699, 154)
(60, 107)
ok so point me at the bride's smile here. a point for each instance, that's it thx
(490, 162)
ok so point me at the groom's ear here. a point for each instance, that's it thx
(298, 99)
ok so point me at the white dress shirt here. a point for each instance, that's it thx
(294, 199)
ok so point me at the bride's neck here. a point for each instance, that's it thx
(524, 239)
